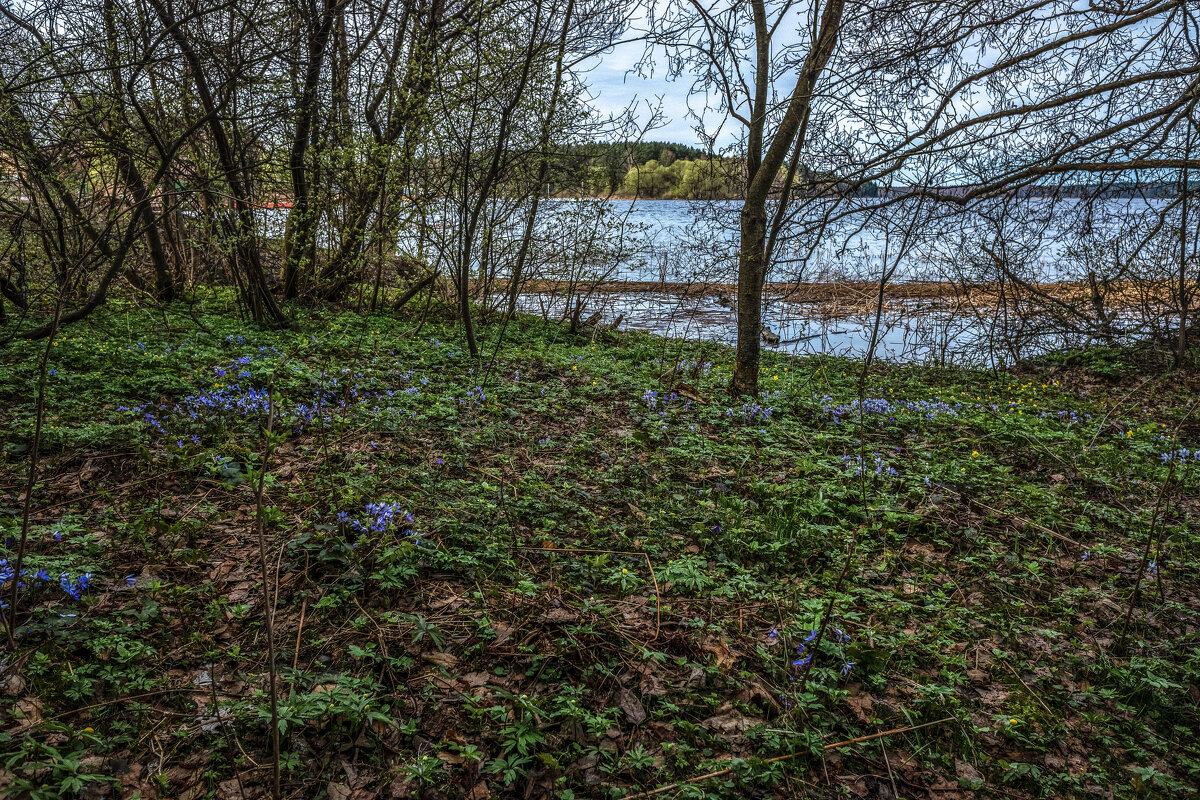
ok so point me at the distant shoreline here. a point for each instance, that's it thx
(816, 291)
(839, 298)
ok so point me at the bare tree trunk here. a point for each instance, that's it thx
(263, 307)
(752, 266)
(299, 245)
(408, 117)
(164, 286)
(489, 182)
(1184, 289)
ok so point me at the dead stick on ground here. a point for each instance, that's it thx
(657, 596)
(888, 764)
(1030, 523)
(833, 746)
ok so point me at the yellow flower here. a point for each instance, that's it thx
(974, 454)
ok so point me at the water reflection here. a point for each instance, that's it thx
(918, 333)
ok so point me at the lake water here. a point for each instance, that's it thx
(582, 242)
(681, 241)
(693, 243)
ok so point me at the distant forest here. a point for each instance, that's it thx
(673, 171)
(653, 170)
(668, 171)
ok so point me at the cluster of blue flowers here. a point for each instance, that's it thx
(379, 518)
(1181, 456)
(879, 406)
(228, 402)
(661, 402)
(656, 401)
(701, 368)
(233, 400)
(75, 587)
(475, 397)
(855, 462)
(240, 402)
(1068, 416)
(750, 412)
(805, 656)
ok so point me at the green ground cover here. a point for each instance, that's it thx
(578, 569)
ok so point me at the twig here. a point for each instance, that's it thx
(497, 478)
(777, 759)
(1118, 404)
(888, 764)
(268, 611)
(10, 618)
(884, 277)
(1151, 538)
(126, 699)
(657, 594)
(125, 485)
(300, 630)
(1029, 522)
(216, 710)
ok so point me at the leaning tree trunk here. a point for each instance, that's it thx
(256, 293)
(752, 270)
(752, 250)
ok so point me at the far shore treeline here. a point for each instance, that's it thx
(672, 171)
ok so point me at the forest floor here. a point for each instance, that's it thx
(576, 568)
